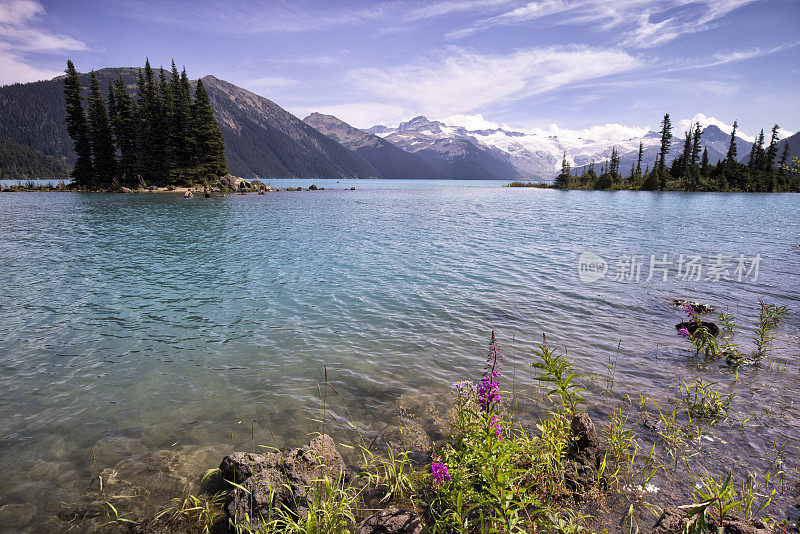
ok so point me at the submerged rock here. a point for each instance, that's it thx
(691, 326)
(278, 479)
(391, 520)
(699, 307)
(583, 455)
(674, 520)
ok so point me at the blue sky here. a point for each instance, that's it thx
(527, 64)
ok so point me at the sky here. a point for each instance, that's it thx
(545, 64)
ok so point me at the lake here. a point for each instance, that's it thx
(137, 323)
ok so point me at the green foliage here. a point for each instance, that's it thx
(769, 318)
(711, 497)
(330, 511)
(704, 399)
(557, 370)
(391, 475)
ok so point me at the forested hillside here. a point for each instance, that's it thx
(19, 162)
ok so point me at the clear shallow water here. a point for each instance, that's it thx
(133, 323)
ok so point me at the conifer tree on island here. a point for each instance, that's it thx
(159, 135)
(209, 147)
(104, 159)
(77, 127)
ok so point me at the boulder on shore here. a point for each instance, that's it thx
(278, 479)
(232, 182)
(583, 455)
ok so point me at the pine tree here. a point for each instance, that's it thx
(78, 128)
(704, 164)
(104, 159)
(124, 123)
(151, 151)
(613, 167)
(772, 151)
(731, 155)
(784, 158)
(666, 140)
(180, 152)
(757, 153)
(698, 133)
(563, 179)
(639, 160)
(164, 133)
(209, 147)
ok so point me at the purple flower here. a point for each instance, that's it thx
(494, 424)
(488, 391)
(685, 333)
(439, 471)
(690, 311)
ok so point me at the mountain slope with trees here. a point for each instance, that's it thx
(19, 162)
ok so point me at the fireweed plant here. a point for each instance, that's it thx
(492, 475)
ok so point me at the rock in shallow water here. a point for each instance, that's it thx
(273, 480)
(391, 520)
(691, 326)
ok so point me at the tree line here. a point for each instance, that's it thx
(162, 135)
(690, 170)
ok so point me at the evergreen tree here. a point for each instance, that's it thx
(163, 132)
(124, 123)
(180, 128)
(757, 152)
(78, 128)
(772, 151)
(639, 160)
(704, 164)
(613, 166)
(731, 155)
(696, 144)
(784, 158)
(563, 179)
(104, 160)
(666, 140)
(209, 147)
(151, 153)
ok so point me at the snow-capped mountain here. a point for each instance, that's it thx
(536, 154)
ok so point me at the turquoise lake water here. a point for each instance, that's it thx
(134, 323)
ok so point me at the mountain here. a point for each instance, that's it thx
(537, 154)
(452, 152)
(794, 146)
(389, 160)
(19, 162)
(261, 138)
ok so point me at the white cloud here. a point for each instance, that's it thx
(14, 71)
(471, 122)
(652, 22)
(21, 33)
(461, 81)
